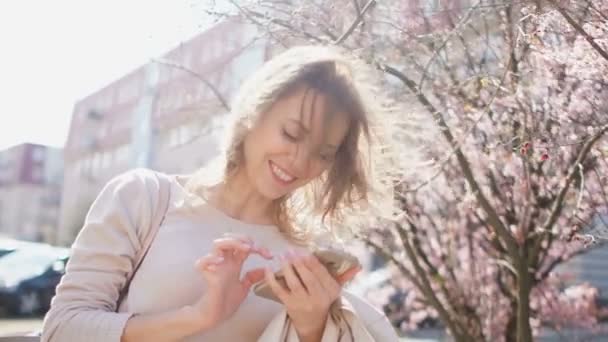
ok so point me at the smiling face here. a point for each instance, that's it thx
(294, 142)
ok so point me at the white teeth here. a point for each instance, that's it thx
(281, 174)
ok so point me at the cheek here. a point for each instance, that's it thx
(271, 138)
(265, 144)
(316, 170)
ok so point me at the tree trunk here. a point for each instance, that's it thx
(510, 332)
(524, 284)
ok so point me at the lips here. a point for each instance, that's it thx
(280, 175)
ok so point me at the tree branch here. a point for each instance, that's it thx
(558, 203)
(455, 29)
(252, 15)
(493, 218)
(355, 23)
(460, 334)
(200, 77)
(560, 259)
(580, 29)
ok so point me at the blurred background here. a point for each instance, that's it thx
(91, 89)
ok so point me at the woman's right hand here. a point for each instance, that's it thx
(221, 269)
(224, 293)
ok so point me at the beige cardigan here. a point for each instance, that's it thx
(104, 253)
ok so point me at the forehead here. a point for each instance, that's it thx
(318, 114)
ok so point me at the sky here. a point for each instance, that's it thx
(53, 53)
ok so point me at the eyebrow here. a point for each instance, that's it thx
(307, 131)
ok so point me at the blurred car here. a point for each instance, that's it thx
(28, 277)
(8, 245)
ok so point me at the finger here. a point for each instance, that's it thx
(276, 288)
(228, 246)
(252, 277)
(293, 281)
(263, 252)
(240, 257)
(327, 281)
(240, 247)
(208, 262)
(348, 275)
(247, 241)
(309, 279)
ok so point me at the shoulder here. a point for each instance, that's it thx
(139, 180)
(138, 191)
(132, 201)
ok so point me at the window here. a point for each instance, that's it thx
(187, 133)
(36, 174)
(77, 167)
(128, 91)
(104, 130)
(182, 134)
(94, 114)
(104, 160)
(205, 56)
(38, 154)
(187, 58)
(121, 154)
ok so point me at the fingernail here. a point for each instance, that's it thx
(219, 260)
(293, 255)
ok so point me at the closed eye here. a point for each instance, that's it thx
(288, 135)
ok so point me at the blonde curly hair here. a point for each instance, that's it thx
(357, 187)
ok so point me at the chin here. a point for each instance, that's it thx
(270, 191)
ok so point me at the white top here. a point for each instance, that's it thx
(105, 251)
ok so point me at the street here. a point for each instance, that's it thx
(14, 325)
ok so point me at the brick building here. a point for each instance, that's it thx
(30, 191)
(159, 116)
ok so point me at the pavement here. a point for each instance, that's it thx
(17, 325)
(13, 325)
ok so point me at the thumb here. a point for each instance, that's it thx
(252, 277)
(348, 275)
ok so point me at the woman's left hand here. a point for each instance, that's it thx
(308, 301)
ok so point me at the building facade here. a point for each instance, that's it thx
(30, 191)
(165, 115)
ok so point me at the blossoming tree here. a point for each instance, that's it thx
(515, 99)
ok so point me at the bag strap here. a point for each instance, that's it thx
(164, 196)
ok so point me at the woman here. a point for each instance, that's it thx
(299, 157)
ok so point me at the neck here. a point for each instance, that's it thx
(239, 199)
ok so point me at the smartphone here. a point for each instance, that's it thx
(336, 262)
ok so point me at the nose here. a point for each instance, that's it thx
(300, 162)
